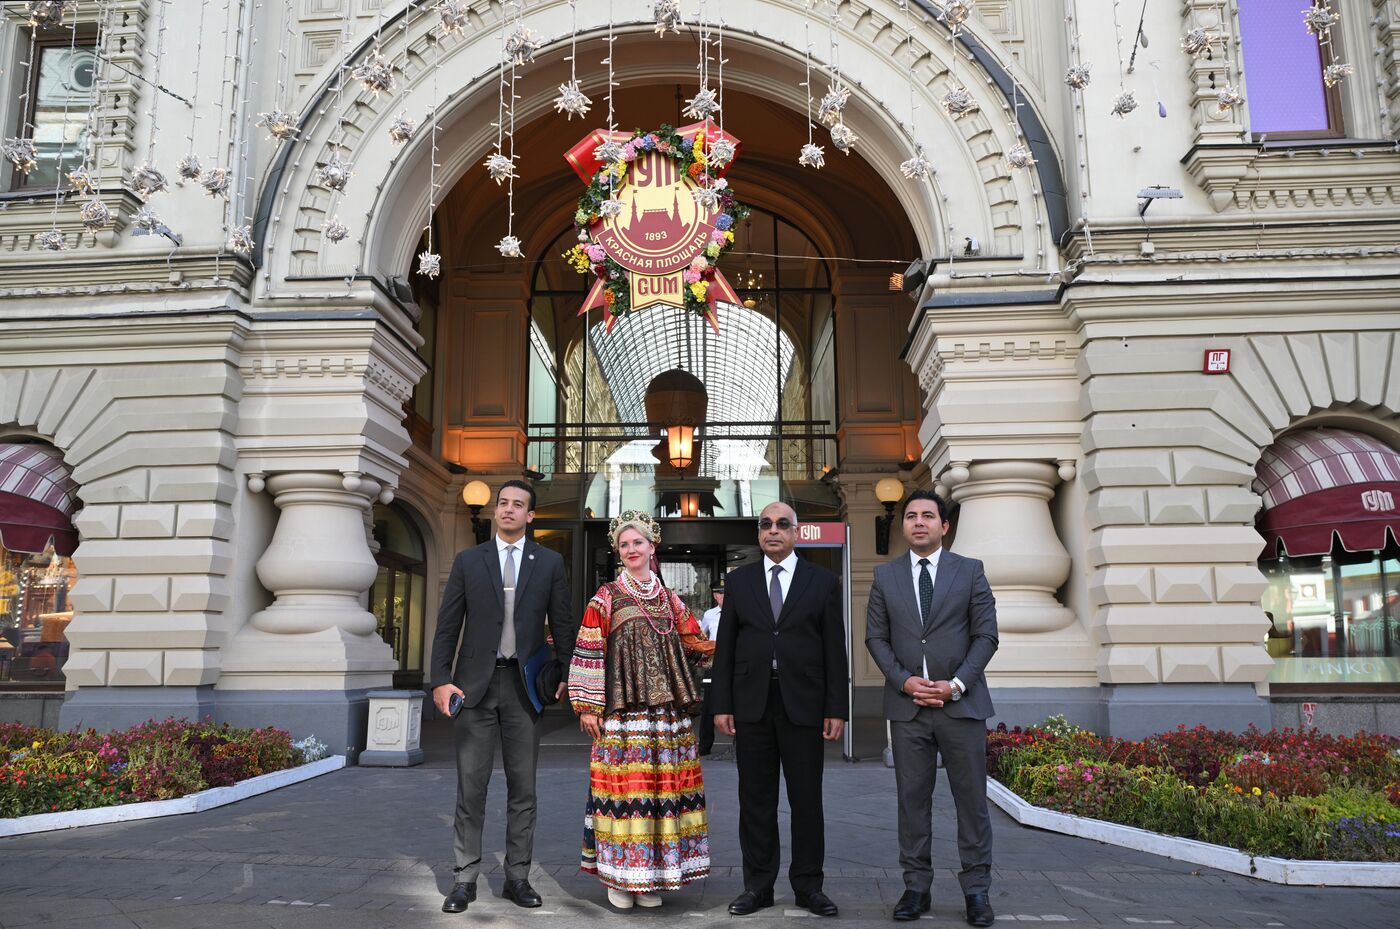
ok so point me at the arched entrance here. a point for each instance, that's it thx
(399, 596)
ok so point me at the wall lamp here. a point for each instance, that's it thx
(888, 491)
(476, 495)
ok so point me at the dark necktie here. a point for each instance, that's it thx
(925, 590)
(775, 594)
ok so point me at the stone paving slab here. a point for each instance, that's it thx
(371, 847)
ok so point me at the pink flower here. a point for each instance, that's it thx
(691, 276)
(717, 236)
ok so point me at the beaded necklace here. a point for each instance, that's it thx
(654, 607)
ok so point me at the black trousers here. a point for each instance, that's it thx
(760, 749)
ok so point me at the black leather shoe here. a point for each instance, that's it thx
(979, 910)
(521, 894)
(817, 903)
(458, 898)
(911, 906)
(750, 902)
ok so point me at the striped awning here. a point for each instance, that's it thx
(38, 498)
(1321, 485)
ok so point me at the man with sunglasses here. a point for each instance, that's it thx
(779, 688)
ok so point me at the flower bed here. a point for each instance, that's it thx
(44, 771)
(1289, 794)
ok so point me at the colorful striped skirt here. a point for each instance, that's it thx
(645, 827)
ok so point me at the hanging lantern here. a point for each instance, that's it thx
(690, 505)
(678, 401)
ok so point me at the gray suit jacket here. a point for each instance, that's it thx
(958, 641)
(475, 599)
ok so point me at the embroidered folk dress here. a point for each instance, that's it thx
(645, 825)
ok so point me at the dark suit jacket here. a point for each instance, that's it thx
(475, 599)
(809, 641)
(958, 641)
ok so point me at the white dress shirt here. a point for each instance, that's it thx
(789, 565)
(916, 569)
(501, 546)
(709, 623)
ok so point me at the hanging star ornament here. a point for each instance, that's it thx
(148, 181)
(95, 215)
(722, 152)
(1333, 74)
(1320, 18)
(703, 105)
(668, 16)
(22, 154)
(499, 167)
(955, 13)
(334, 174)
(240, 241)
(572, 100)
(844, 138)
(146, 220)
(812, 156)
(453, 14)
(959, 102)
(1019, 156)
(335, 231)
(401, 129)
(189, 168)
(215, 182)
(375, 73)
(48, 14)
(1197, 42)
(1228, 98)
(833, 104)
(429, 264)
(707, 198)
(1123, 104)
(81, 179)
(279, 124)
(1078, 76)
(521, 46)
(610, 152)
(509, 247)
(918, 168)
(51, 240)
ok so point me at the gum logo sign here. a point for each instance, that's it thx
(1377, 501)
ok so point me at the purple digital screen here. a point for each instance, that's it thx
(1283, 67)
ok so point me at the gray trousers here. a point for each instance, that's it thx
(505, 715)
(963, 745)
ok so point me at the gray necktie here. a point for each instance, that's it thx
(775, 594)
(507, 649)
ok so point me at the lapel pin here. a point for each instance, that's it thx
(532, 557)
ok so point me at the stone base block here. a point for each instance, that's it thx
(106, 708)
(1027, 706)
(31, 709)
(382, 759)
(1132, 711)
(336, 717)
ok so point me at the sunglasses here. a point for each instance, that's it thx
(783, 524)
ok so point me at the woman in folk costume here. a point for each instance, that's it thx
(645, 825)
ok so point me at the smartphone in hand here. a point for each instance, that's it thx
(454, 704)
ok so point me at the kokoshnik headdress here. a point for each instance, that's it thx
(640, 520)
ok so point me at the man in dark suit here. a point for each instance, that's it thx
(779, 688)
(932, 627)
(497, 599)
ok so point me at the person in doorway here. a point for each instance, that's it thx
(645, 826)
(498, 598)
(932, 627)
(779, 687)
(709, 625)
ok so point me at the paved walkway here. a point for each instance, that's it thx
(368, 848)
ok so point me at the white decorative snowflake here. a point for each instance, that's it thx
(1333, 74)
(610, 207)
(509, 247)
(959, 102)
(146, 220)
(1320, 18)
(429, 264)
(375, 73)
(1197, 42)
(521, 46)
(147, 180)
(610, 152)
(1078, 75)
(215, 182)
(499, 167)
(707, 198)
(401, 129)
(454, 16)
(668, 16)
(335, 231)
(240, 241)
(95, 215)
(334, 174)
(833, 104)
(189, 168)
(722, 152)
(1228, 98)
(279, 124)
(843, 138)
(81, 179)
(48, 14)
(918, 168)
(956, 12)
(703, 105)
(51, 240)
(1123, 104)
(22, 153)
(572, 100)
(812, 156)
(1019, 156)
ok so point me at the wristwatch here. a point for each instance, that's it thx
(955, 691)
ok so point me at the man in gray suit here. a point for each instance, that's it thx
(496, 601)
(932, 627)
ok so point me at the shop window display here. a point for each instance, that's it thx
(34, 616)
